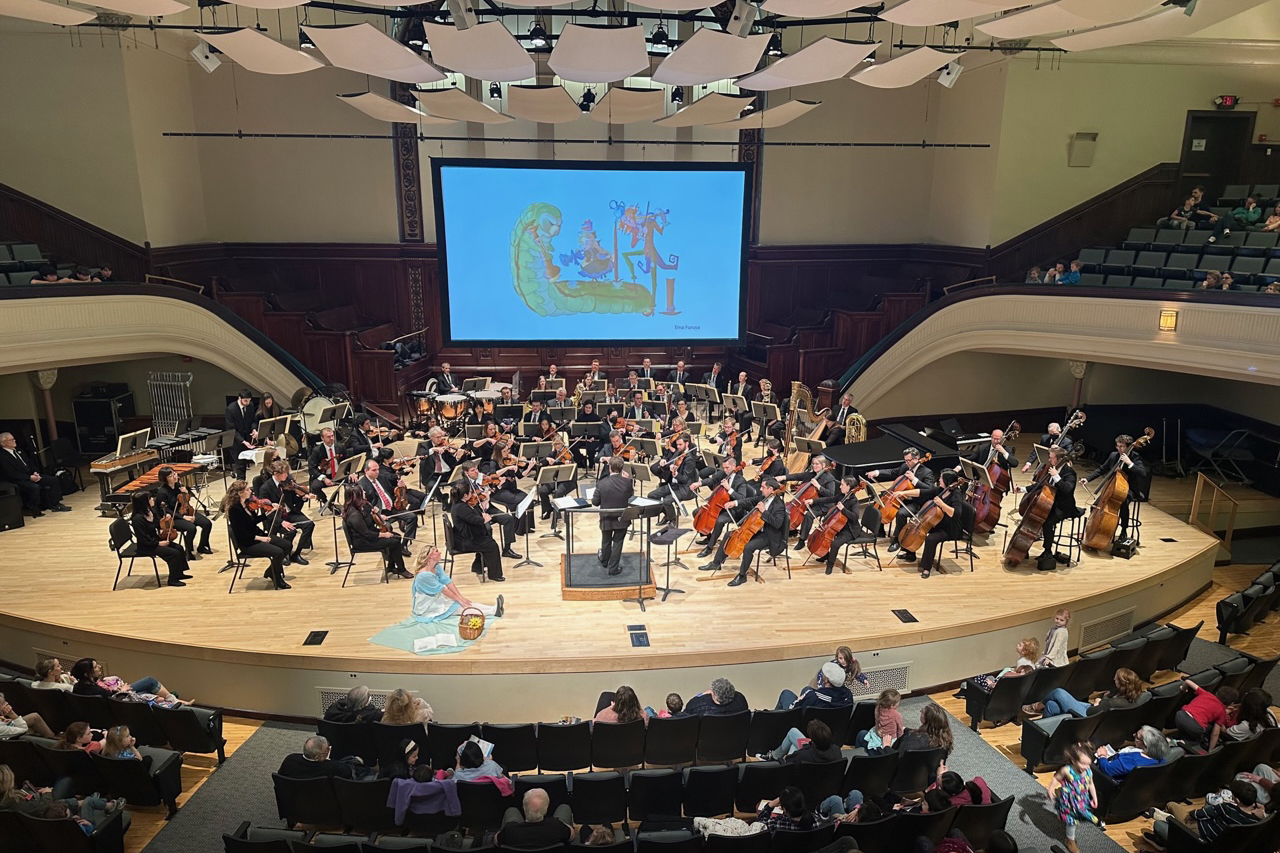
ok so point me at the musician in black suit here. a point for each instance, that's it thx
(1055, 435)
(38, 491)
(365, 439)
(773, 428)
(728, 442)
(1062, 478)
(145, 521)
(446, 382)
(995, 450)
(646, 371)
(742, 496)
(683, 470)
(773, 536)
(819, 470)
(595, 374)
(169, 491)
(921, 478)
(473, 481)
(846, 408)
(636, 410)
(322, 464)
(365, 535)
(743, 389)
(630, 384)
(534, 414)
(379, 486)
(440, 458)
(679, 377)
(1135, 468)
(851, 508)
(613, 492)
(294, 524)
(471, 533)
(242, 416)
(715, 378)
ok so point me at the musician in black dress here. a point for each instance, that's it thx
(742, 496)
(250, 539)
(509, 468)
(836, 435)
(1137, 472)
(950, 527)
(379, 486)
(773, 536)
(850, 507)
(471, 533)
(683, 470)
(322, 464)
(482, 447)
(587, 447)
(549, 491)
(921, 477)
(1053, 436)
(145, 522)
(294, 524)
(365, 535)
(168, 495)
(1062, 478)
(679, 412)
(772, 464)
(819, 470)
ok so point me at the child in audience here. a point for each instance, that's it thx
(1072, 791)
(889, 725)
(1203, 718)
(1055, 642)
(675, 706)
(1034, 277)
(120, 744)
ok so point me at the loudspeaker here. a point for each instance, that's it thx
(1124, 548)
(950, 74)
(1081, 148)
(203, 55)
(10, 507)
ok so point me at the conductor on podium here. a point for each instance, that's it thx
(613, 493)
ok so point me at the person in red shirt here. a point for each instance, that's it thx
(1205, 715)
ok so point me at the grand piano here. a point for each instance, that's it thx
(885, 451)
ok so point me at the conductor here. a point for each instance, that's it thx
(613, 492)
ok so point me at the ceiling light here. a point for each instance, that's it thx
(418, 35)
(495, 92)
(305, 42)
(588, 99)
(538, 35)
(677, 95)
(1188, 7)
(750, 107)
(775, 45)
(659, 36)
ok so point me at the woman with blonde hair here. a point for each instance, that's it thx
(402, 708)
(435, 597)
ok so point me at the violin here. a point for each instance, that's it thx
(889, 505)
(625, 425)
(564, 457)
(400, 499)
(167, 532)
(300, 491)
(380, 522)
(256, 504)
(1104, 515)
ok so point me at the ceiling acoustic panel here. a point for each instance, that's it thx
(708, 56)
(548, 104)
(1167, 24)
(269, 4)
(927, 13)
(825, 59)
(486, 51)
(458, 105)
(905, 68)
(385, 109)
(622, 105)
(45, 13)
(144, 8)
(256, 52)
(713, 108)
(809, 8)
(1065, 15)
(365, 49)
(773, 116)
(599, 54)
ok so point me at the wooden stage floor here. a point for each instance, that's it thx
(58, 574)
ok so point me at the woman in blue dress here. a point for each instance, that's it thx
(434, 595)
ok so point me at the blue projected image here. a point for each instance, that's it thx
(590, 253)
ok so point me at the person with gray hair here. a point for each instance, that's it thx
(355, 707)
(533, 830)
(38, 491)
(314, 762)
(1152, 749)
(720, 700)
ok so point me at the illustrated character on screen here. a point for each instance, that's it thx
(593, 261)
(641, 228)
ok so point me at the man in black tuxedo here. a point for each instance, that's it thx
(379, 486)
(679, 377)
(772, 537)
(846, 408)
(294, 522)
(440, 459)
(242, 416)
(1126, 459)
(613, 493)
(922, 480)
(446, 382)
(322, 464)
(637, 411)
(995, 450)
(715, 378)
(594, 373)
(1053, 436)
(646, 370)
(38, 490)
(742, 496)
(1062, 477)
(683, 473)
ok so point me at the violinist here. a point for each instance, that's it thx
(588, 446)
(169, 494)
(145, 522)
(617, 446)
(667, 440)
(683, 472)
(365, 535)
(773, 536)
(819, 470)
(474, 486)
(379, 486)
(276, 489)
(322, 463)
(950, 527)
(439, 458)
(471, 533)
(483, 446)
(772, 465)
(1052, 436)
(921, 477)
(777, 427)
(365, 438)
(1126, 457)
(506, 468)
(997, 451)
(1062, 479)
(560, 455)
(547, 428)
(742, 496)
(248, 535)
(851, 508)
(835, 435)
(728, 442)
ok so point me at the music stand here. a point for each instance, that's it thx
(766, 411)
(646, 384)
(550, 476)
(712, 459)
(554, 382)
(736, 405)
(508, 411)
(584, 429)
(535, 449)
(647, 446)
(542, 396)
(476, 383)
(590, 396)
(220, 444)
(640, 474)
(521, 509)
(706, 393)
(599, 384)
(809, 445)
(473, 431)
(669, 538)
(630, 515)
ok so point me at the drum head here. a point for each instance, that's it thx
(314, 405)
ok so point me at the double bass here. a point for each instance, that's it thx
(1035, 512)
(1104, 515)
(986, 501)
(913, 533)
(1074, 421)
(889, 505)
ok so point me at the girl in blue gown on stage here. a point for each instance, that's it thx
(435, 597)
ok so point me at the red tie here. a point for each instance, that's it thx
(333, 464)
(386, 501)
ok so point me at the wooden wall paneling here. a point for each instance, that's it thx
(375, 336)
(375, 377)
(898, 307)
(250, 307)
(287, 328)
(328, 355)
(1262, 163)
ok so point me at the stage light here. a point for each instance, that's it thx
(538, 35)
(588, 100)
(750, 107)
(775, 44)
(1188, 7)
(495, 92)
(677, 95)
(418, 36)
(305, 42)
(659, 36)
(1168, 320)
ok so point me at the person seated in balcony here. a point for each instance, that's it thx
(353, 708)
(1273, 220)
(1212, 280)
(1072, 275)
(48, 274)
(1151, 749)
(1034, 276)
(1182, 217)
(1206, 220)
(1052, 274)
(105, 274)
(1247, 216)
(81, 275)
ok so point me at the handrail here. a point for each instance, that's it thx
(1193, 518)
(152, 278)
(973, 282)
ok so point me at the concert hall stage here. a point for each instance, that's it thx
(244, 650)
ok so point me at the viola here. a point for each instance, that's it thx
(890, 503)
(913, 533)
(1104, 514)
(986, 502)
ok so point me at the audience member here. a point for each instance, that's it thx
(353, 708)
(1034, 276)
(1247, 216)
(402, 708)
(1209, 822)
(1151, 749)
(829, 693)
(889, 725)
(958, 791)
(105, 274)
(1182, 217)
(720, 700)
(120, 743)
(1028, 651)
(1128, 693)
(473, 764)
(48, 274)
(934, 732)
(675, 706)
(81, 274)
(1202, 718)
(1263, 779)
(38, 491)
(14, 725)
(852, 669)
(1055, 642)
(1052, 274)
(314, 762)
(624, 708)
(532, 829)
(788, 812)
(1073, 793)
(78, 735)
(1072, 275)
(49, 676)
(1206, 219)
(812, 747)
(91, 681)
(1273, 220)
(34, 801)
(1252, 716)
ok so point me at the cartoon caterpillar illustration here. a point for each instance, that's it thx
(536, 276)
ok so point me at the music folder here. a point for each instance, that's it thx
(535, 449)
(976, 473)
(735, 402)
(767, 411)
(510, 411)
(477, 383)
(578, 429)
(647, 446)
(809, 445)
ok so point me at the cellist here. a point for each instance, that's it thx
(848, 505)
(741, 497)
(818, 506)
(950, 527)
(1135, 469)
(921, 477)
(773, 535)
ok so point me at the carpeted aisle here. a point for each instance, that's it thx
(240, 790)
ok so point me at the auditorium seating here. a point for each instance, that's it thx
(20, 832)
(1238, 612)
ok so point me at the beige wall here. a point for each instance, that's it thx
(210, 384)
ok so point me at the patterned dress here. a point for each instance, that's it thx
(1073, 796)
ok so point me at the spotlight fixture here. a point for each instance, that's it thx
(305, 42)
(495, 92)
(775, 44)
(749, 108)
(677, 95)
(1188, 7)
(588, 100)
(659, 36)
(538, 35)
(418, 36)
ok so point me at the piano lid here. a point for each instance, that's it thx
(886, 450)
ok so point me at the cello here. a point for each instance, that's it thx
(704, 521)
(820, 540)
(1104, 515)
(751, 524)
(913, 533)
(1074, 421)
(797, 508)
(986, 501)
(889, 504)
